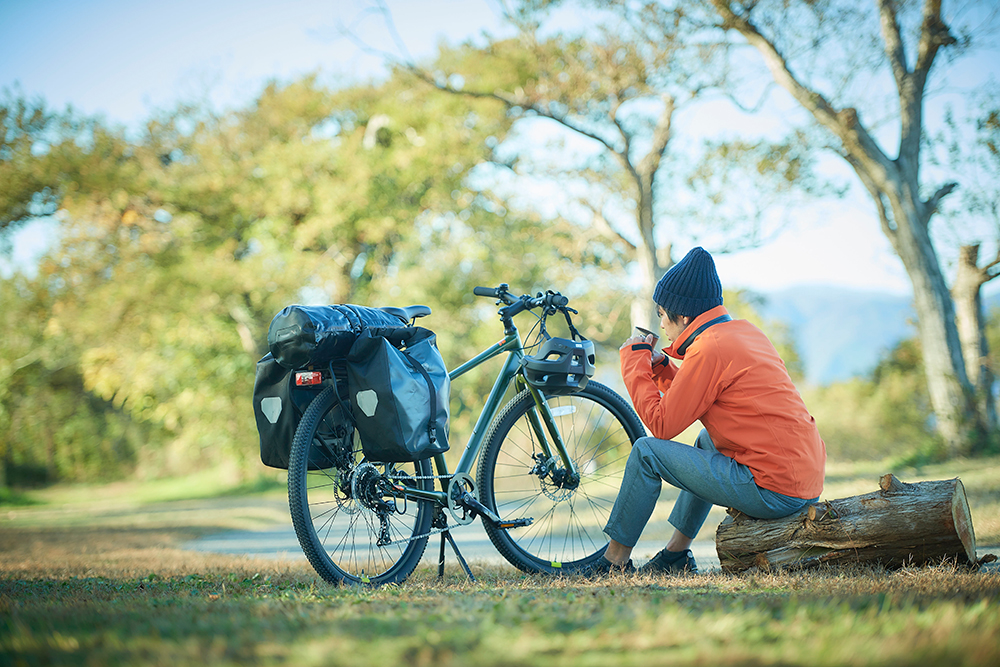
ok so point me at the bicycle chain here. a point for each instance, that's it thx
(435, 531)
(429, 476)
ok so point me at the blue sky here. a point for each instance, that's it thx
(125, 59)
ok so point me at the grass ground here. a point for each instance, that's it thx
(95, 576)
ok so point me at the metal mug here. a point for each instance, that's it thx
(646, 332)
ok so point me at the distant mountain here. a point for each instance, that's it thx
(841, 333)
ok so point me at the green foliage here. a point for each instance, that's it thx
(134, 348)
(25, 186)
(52, 427)
(885, 415)
(888, 415)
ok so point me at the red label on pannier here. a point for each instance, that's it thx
(308, 378)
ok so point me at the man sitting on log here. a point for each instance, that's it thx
(760, 451)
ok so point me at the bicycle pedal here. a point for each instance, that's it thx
(515, 523)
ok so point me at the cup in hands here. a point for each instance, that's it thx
(651, 338)
(646, 333)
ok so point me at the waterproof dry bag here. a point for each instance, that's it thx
(313, 335)
(399, 391)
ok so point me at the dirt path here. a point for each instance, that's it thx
(279, 542)
(252, 533)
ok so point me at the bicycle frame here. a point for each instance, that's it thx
(542, 420)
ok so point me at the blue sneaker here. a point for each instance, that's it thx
(671, 562)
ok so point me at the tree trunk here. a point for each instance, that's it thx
(643, 309)
(644, 175)
(901, 524)
(944, 366)
(967, 294)
(650, 270)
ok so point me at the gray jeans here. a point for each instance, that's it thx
(705, 478)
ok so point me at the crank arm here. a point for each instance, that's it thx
(469, 501)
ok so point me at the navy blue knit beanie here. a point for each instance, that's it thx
(691, 286)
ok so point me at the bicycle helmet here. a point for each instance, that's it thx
(562, 366)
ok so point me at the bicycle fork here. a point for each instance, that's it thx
(542, 421)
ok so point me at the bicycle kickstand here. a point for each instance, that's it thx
(446, 536)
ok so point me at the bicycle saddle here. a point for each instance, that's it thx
(408, 313)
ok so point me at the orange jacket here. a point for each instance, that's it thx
(733, 380)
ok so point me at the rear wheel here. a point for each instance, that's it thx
(351, 526)
(517, 481)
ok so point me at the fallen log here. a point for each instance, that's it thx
(900, 524)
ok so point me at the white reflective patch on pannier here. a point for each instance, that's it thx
(271, 407)
(367, 401)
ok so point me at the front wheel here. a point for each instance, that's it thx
(517, 481)
(350, 524)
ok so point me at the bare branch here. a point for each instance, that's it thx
(602, 225)
(756, 106)
(883, 215)
(623, 155)
(512, 101)
(935, 200)
(992, 270)
(363, 46)
(893, 42)
(661, 137)
(391, 27)
(933, 35)
(971, 277)
(843, 124)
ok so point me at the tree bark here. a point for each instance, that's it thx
(643, 174)
(952, 395)
(900, 524)
(967, 294)
(643, 309)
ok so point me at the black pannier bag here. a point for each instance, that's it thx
(278, 405)
(300, 336)
(399, 391)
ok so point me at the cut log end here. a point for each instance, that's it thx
(962, 517)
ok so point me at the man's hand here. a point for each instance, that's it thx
(656, 356)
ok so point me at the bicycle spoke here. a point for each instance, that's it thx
(569, 515)
(337, 518)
